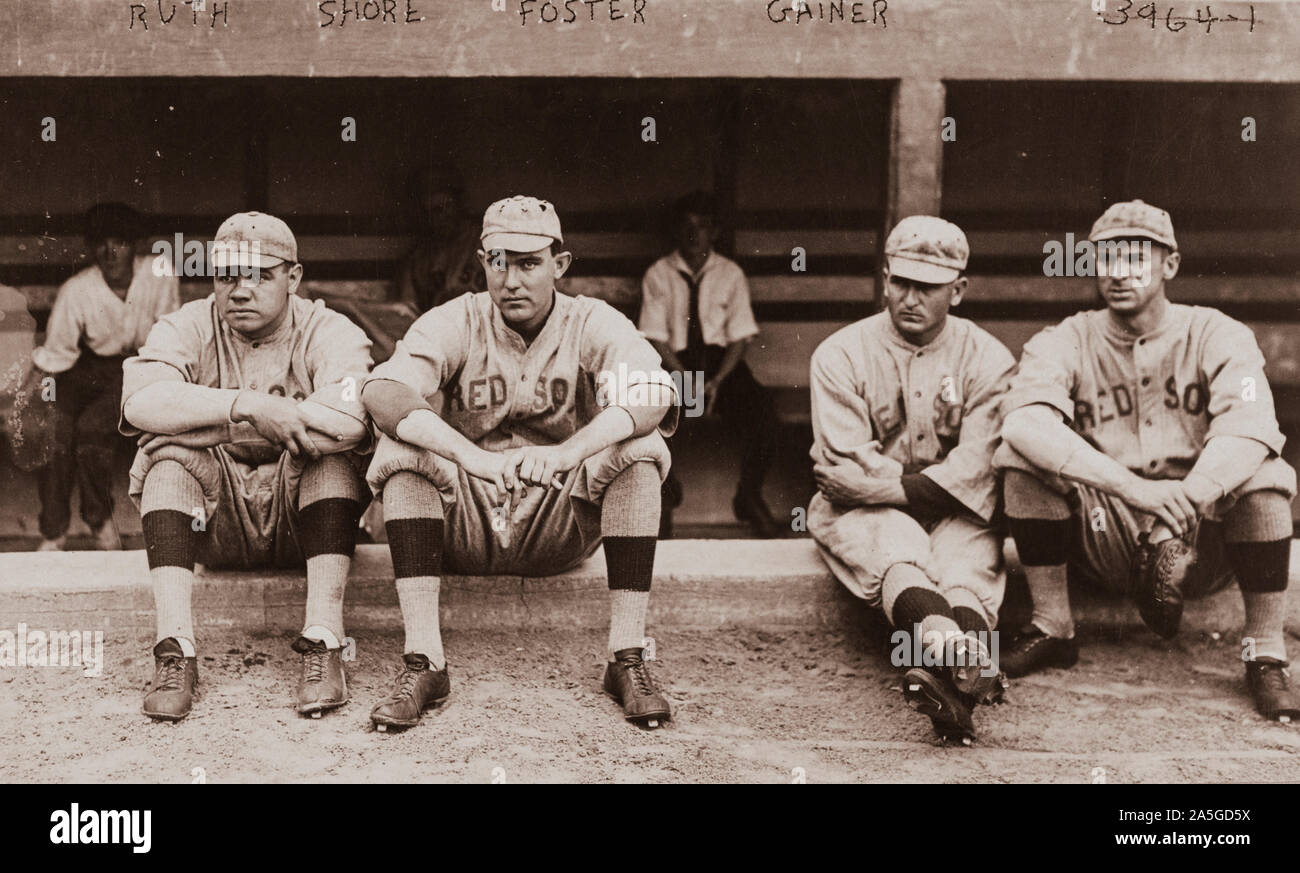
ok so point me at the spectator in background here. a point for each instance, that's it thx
(100, 316)
(695, 312)
(443, 264)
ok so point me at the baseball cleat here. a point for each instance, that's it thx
(1032, 650)
(323, 684)
(172, 692)
(628, 680)
(972, 669)
(1156, 579)
(936, 697)
(417, 687)
(1269, 682)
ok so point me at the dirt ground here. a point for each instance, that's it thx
(751, 706)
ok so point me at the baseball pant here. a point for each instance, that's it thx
(1103, 530)
(960, 554)
(550, 531)
(251, 512)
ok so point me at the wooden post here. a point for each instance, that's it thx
(915, 177)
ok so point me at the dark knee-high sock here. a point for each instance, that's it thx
(1258, 547)
(629, 527)
(413, 518)
(171, 509)
(330, 497)
(1039, 520)
(912, 599)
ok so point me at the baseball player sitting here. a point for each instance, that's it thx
(1141, 451)
(905, 418)
(541, 443)
(248, 403)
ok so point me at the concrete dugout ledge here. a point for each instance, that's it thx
(699, 584)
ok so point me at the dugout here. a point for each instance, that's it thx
(815, 134)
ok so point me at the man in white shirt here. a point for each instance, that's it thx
(100, 316)
(695, 311)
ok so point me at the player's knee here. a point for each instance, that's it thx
(331, 476)
(1259, 517)
(639, 479)
(1027, 496)
(407, 494)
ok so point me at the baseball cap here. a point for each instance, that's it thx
(253, 239)
(520, 224)
(925, 248)
(1133, 218)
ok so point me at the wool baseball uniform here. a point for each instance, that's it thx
(482, 379)
(935, 410)
(1185, 395)
(1151, 402)
(250, 489)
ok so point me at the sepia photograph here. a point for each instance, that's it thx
(650, 391)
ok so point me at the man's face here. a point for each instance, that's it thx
(696, 234)
(920, 309)
(114, 256)
(523, 283)
(253, 301)
(1129, 284)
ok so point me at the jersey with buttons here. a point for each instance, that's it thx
(1151, 402)
(933, 408)
(500, 393)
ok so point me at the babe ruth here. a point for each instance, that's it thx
(523, 467)
(1135, 424)
(905, 419)
(249, 404)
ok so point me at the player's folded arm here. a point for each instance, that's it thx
(388, 401)
(157, 399)
(966, 473)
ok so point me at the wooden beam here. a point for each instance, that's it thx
(915, 179)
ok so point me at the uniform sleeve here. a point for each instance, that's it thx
(610, 348)
(338, 361)
(653, 321)
(62, 334)
(1241, 401)
(1045, 374)
(171, 353)
(841, 417)
(967, 471)
(740, 322)
(433, 349)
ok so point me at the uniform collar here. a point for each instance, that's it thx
(1115, 331)
(510, 335)
(902, 342)
(285, 329)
